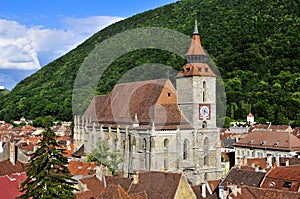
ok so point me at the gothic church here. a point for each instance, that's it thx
(157, 127)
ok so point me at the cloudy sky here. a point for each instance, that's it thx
(34, 33)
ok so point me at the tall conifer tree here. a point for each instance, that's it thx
(47, 172)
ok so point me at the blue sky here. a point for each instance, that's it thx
(34, 33)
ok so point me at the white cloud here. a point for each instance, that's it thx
(24, 48)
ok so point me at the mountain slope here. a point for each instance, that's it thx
(255, 44)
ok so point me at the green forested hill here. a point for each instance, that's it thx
(255, 44)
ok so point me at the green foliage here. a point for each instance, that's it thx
(103, 155)
(254, 43)
(47, 173)
(46, 121)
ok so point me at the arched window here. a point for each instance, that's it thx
(145, 144)
(204, 124)
(166, 154)
(185, 149)
(205, 150)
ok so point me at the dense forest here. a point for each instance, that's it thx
(254, 43)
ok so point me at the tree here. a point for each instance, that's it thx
(103, 155)
(47, 173)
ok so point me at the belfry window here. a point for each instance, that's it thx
(185, 149)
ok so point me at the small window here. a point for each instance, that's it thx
(263, 142)
(287, 184)
(169, 94)
(199, 69)
(206, 69)
(251, 141)
(188, 69)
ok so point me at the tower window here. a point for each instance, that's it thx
(185, 149)
(204, 124)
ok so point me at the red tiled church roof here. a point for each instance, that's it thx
(152, 101)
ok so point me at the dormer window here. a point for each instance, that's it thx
(206, 69)
(251, 141)
(188, 69)
(276, 143)
(263, 142)
(199, 69)
(287, 184)
(169, 94)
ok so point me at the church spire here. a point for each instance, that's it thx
(196, 58)
(196, 32)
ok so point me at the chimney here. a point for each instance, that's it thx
(256, 169)
(203, 189)
(99, 172)
(245, 161)
(221, 192)
(234, 189)
(12, 153)
(135, 177)
(269, 161)
(287, 162)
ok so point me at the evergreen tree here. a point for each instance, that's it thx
(47, 173)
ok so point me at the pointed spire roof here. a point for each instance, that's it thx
(196, 58)
(195, 47)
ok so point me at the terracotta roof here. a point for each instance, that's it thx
(142, 195)
(250, 115)
(6, 167)
(9, 185)
(261, 162)
(244, 177)
(82, 168)
(124, 182)
(284, 178)
(152, 101)
(248, 192)
(271, 140)
(96, 103)
(164, 184)
(195, 69)
(113, 191)
(95, 188)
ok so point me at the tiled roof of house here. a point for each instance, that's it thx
(248, 192)
(113, 191)
(6, 167)
(142, 195)
(9, 185)
(164, 184)
(82, 168)
(244, 177)
(124, 182)
(284, 178)
(95, 188)
(260, 162)
(152, 101)
(271, 140)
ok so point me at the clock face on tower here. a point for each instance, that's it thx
(204, 111)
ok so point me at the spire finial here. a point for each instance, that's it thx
(196, 28)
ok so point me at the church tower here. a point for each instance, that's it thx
(196, 93)
(196, 86)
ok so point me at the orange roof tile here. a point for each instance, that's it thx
(272, 140)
